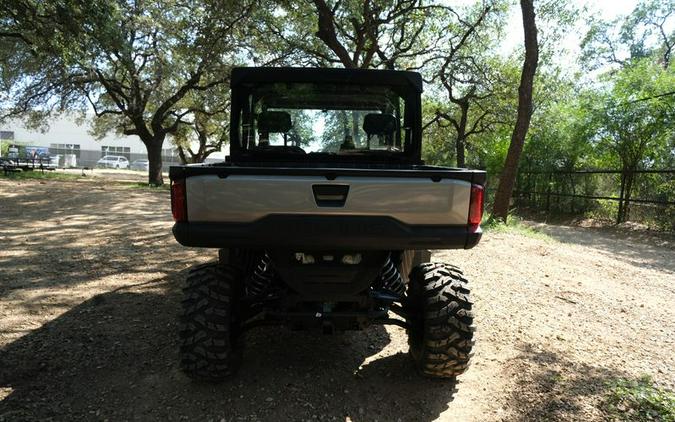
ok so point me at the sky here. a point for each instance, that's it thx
(606, 9)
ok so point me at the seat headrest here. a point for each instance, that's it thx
(379, 124)
(274, 122)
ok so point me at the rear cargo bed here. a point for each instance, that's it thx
(347, 208)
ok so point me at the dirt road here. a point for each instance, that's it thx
(89, 295)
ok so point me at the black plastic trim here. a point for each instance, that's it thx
(325, 232)
(241, 75)
(330, 195)
(430, 172)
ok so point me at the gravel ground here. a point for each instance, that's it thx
(89, 295)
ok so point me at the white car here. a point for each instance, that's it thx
(141, 164)
(113, 161)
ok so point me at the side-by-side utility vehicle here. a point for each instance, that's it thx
(324, 214)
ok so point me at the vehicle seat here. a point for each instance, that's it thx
(383, 125)
(275, 122)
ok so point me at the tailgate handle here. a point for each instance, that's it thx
(330, 195)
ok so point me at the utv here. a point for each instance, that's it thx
(323, 214)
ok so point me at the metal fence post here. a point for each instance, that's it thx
(548, 192)
(619, 216)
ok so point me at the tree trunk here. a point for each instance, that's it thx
(154, 148)
(346, 125)
(200, 156)
(460, 145)
(181, 155)
(508, 176)
(460, 141)
(326, 32)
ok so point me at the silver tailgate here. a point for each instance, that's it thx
(246, 198)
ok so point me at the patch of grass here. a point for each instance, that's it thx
(38, 175)
(140, 185)
(55, 175)
(513, 225)
(639, 400)
(603, 210)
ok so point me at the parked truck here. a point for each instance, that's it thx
(324, 214)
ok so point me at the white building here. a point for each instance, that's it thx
(65, 136)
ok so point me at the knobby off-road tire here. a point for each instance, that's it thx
(245, 259)
(441, 322)
(210, 349)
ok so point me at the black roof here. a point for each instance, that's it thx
(332, 75)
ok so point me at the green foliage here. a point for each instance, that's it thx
(621, 120)
(561, 128)
(4, 147)
(646, 32)
(472, 93)
(70, 177)
(353, 33)
(639, 400)
(603, 210)
(486, 146)
(437, 146)
(146, 186)
(514, 225)
(157, 69)
(636, 120)
(144, 68)
(39, 175)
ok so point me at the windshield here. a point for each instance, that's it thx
(321, 118)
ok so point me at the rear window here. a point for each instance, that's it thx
(321, 118)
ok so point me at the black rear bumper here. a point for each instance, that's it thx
(325, 232)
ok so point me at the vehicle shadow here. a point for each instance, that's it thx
(550, 386)
(114, 357)
(639, 248)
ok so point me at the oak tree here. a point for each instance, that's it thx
(132, 63)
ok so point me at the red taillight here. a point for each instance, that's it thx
(475, 207)
(178, 200)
